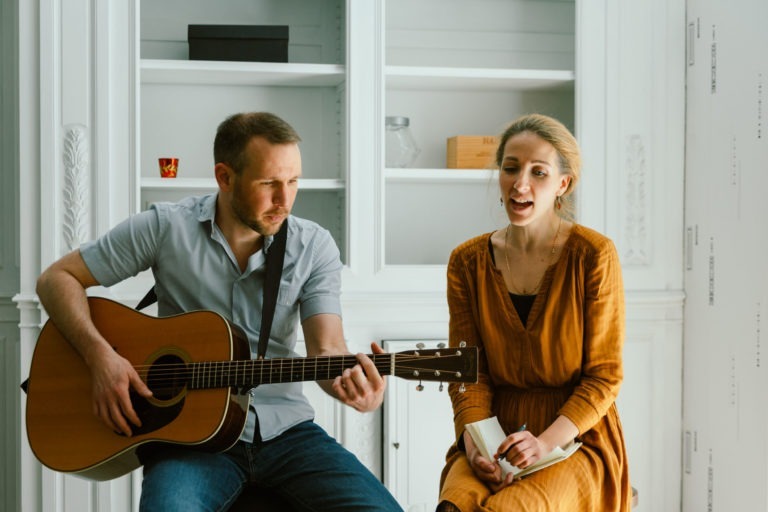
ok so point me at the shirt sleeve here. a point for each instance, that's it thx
(602, 370)
(474, 403)
(125, 250)
(321, 293)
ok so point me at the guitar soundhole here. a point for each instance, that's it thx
(167, 377)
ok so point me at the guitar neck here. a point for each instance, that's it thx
(253, 372)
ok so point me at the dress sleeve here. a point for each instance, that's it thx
(474, 403)
(602, 371)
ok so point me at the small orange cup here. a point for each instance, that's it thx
(168, 167)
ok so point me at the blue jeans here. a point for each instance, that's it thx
(305, 467)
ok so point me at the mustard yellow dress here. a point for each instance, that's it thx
(566, 360)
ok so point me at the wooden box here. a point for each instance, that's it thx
(471, 152)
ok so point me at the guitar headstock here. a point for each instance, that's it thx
(448, 364)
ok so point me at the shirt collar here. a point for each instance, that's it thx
(207, 213)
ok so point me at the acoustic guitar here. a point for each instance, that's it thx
(199, 369)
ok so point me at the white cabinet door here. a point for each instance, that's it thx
(418, 430)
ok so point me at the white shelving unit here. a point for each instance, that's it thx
(182, 101)
(468, 71)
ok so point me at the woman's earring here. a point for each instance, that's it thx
(559, 202)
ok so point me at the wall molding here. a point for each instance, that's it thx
(76, 185)
(637, 242)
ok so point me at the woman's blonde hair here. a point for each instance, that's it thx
(554, 132)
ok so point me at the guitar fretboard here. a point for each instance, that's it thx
(249, 373)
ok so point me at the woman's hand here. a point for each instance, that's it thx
(488, 471)
(522, 449)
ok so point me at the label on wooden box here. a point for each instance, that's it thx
(471, 152)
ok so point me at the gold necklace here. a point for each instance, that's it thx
(509, 267)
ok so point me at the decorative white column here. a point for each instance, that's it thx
(78, 62)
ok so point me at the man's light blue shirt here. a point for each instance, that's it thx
(194, 269)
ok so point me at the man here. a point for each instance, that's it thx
(209, 253)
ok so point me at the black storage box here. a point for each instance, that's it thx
(257, 43)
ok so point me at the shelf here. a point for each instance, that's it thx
(199, 72)
(209, 184)
(431, 78)
(439, 175)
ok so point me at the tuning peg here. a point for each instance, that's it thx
(441, 387)
(462, 344)
(420, 346)
(420, 387)
(462, 388)
(441, 345)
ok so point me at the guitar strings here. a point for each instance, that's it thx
(211, 370)
(334, 361)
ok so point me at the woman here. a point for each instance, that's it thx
(543, 300)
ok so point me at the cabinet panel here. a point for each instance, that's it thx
(427, 220)
(436, 115)
(530, 34)
(315, 26)
(181, 121)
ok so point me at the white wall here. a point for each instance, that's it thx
(725, 411)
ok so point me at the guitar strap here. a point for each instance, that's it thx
(274, 263)
(275, 258)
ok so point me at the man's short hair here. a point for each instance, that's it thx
(236, 131)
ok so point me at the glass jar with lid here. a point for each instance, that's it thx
(400, 147)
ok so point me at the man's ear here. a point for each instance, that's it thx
(224, 176)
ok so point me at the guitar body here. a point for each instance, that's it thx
(66, 436)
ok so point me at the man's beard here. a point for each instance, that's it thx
(261, 227)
